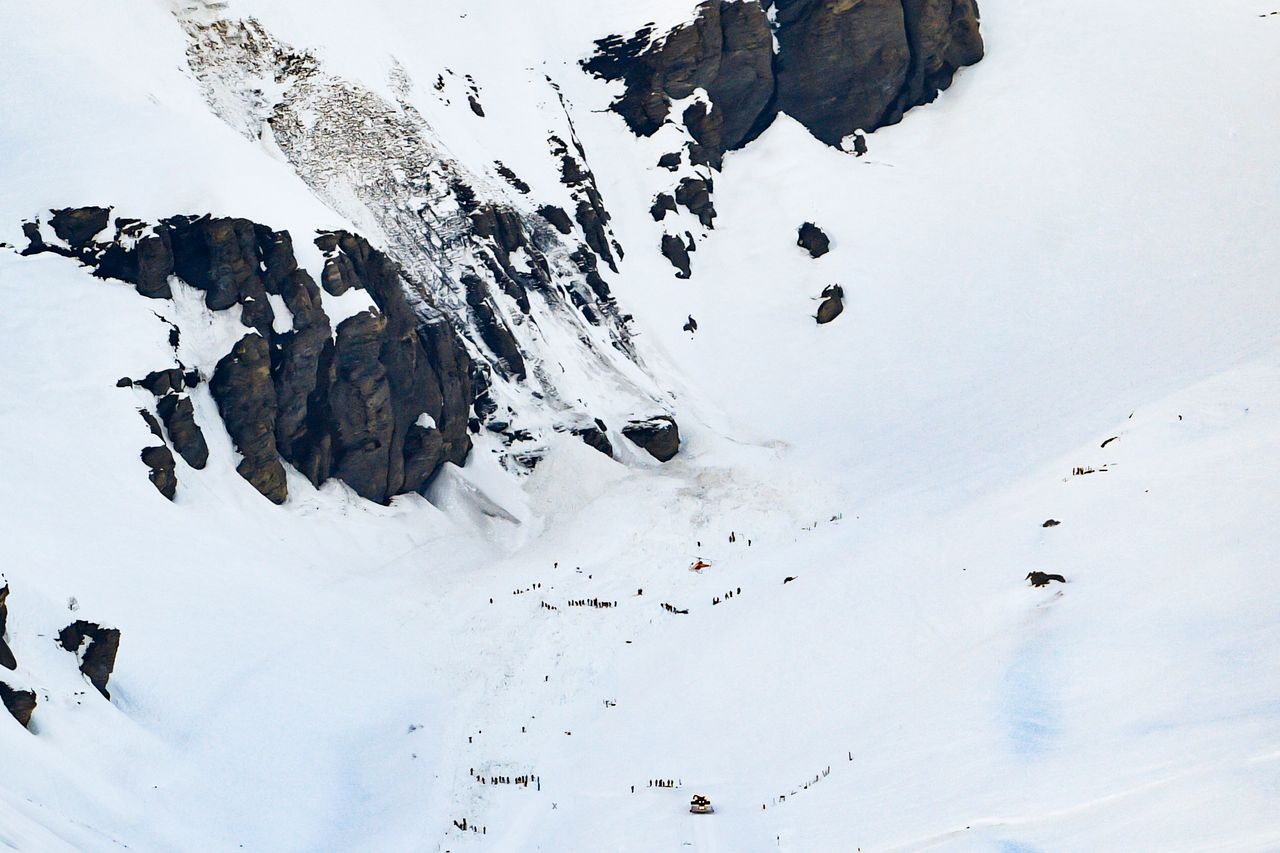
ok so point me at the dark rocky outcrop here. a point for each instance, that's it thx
(161, 382)
(493, 331)
(557, 217)
(7, 659)
(840, 66)
(695, 195)
(832, 304)
(381, 407)
(727, 50)
(596, 436)
(98, 659)
(222, 257)
(662, 205)
(20, 703)
(179, 416)
(162, 475)
(674, 249)
(813, 240)
(77, 226)
(659, 436)
(243, 389)
(669, 161)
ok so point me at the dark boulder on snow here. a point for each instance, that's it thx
(98, 658)
(557, 217)
(7, 659)
(726, 50)
(596, 436)
(20, 703)
(813, 240)
(179, 416)
(145, 260)
(846, 66)
(832, 304)
(77, 226)
(840, 66)
(663, 204)
(242, 388)
(161, 382)
(695, 195)
(669, 161)
(1051, 522)
(674, 249)
(161, 467)
(659, 436)
(493, 331)
(1042, 578)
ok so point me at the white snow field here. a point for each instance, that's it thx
(1080, 240)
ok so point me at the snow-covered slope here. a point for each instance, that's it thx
(1075, 245)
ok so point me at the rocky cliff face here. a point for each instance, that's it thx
(380, 402)
(839, 66)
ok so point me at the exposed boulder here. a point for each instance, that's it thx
(98, 659)
(662, 205)
(222, 258)
(557, 217)
(840, 66)
(7, 659)
(245, 395)
(493, 331)
(674, 249)
(20, 703)
(179, 416)
(669, 161)
(832, 304)
(659, 436)
(77, 226)
(695, 194)
(596, 436)
(142, 259)
(161, 382)
(727, 50)
(813, 240)
(160, 462)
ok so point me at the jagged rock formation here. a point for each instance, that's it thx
(840, 66)
(178, 414)
(674, 249)
(7, 660)
(595, 435)
(161, 469)
(353, 407)
(20, 703)
(832, 304)
(98, 659)
(813, 240)
(659, 436)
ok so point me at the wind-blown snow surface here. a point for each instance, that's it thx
(1083, 227)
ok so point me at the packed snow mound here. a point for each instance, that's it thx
(1057, 304)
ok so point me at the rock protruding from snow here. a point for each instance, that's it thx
(832, 304)
(179, 416)
(161, 469)
(20, 703)
(659, 436)
(813, 240)
(840, 66)
(7, 660)
(674, 249)
(596, 436)
(245, 395)
(98, 658)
